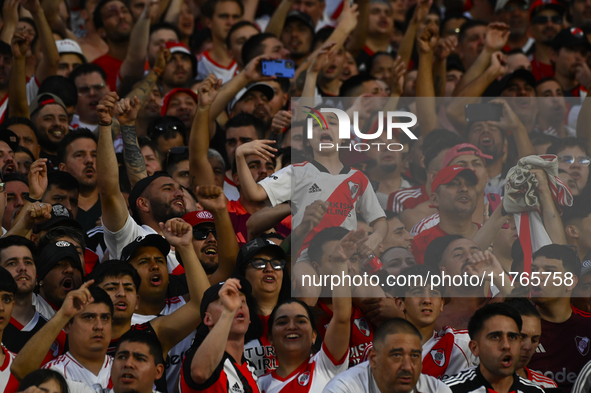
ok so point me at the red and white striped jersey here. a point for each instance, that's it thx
(311, 376)
(345, 193)
(540, 378)
(407, 198)
(206, 65)
(8, 382)
(425, 223)
(447, 353)
(69, 367)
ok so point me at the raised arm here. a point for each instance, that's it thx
(337, 334)
(248, 186)
(426, 109)
(212, 198)
(113, 203)
(408, 40)
(266, 219)
(584, 122)
(10, 19)
(135, 59)
(173, 12)
(172, 329)
(277, 21)
(18, 105)
(199, 167)
(358, 36)
(211, 351)
(51, 58)
(32, 354)
(550, 213)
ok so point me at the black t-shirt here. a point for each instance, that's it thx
(88, 218)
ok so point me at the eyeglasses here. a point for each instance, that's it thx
(513, 7)
(568, 159)
(85, 90)
(2, 187)
(203, 233)
(543, 19)
(260, 263)
(169, 126)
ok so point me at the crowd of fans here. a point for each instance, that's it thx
(162, 198)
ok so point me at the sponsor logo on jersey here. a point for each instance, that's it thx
(236, 388)
(304, 378)
(362, 325)
(438, 356)
(582, 345)
(353, 189)
(314, 188)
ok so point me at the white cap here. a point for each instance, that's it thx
(69, 46)
(265, 88)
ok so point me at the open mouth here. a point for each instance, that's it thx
(121, 306)
(427, 311)
(210, 252)
(536, 291)
(292, 336)
(156, 279)
(325, 138)
(57, 133)
(127, 377)
(240, 316)
(93, 104)
(10, 168)
(269, 279)
(68, 284)
(507, 361)
(485, 141)
(179, 202)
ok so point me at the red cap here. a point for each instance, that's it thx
(168, 96)
(198, 217)
(463, 149)
(176, 47)
(449, 173)
(554, 4)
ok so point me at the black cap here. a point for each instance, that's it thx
(301, 16)
(139, 187)
(212, 293)
(521, 73)
(9, 137)
(55, 252)
(60, 216)
(152, 240)
(571, 37)
(252, 248)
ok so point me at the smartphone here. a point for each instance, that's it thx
(484, 112)
(279, 68)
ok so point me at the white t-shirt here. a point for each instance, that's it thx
(116, 241)
(206, 65)
(360, 379)
(177, 353)
(69, 367)
(345, 193)
(309, 377)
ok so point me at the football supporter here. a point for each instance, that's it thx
(545, 23)
(394, 365)
(454, 195)
(379, 30)
(298, 35)
(496, 340)
(45, 379)
(62, 188)
(86, 317)
(577, 224)
(238, 34)
(263, 264)
(572, 157)
(397, 236)
(16, 256)
(180, 70)
(447, 352)
(220, 16)
(560, 362)
(17, 190)
(91, 82)
(292, 331)
(531, 331)
(71, 56)
(180, 103)
(581, 298)
(217, 364)
(8, 288)
(26, 132)
(50, 117)
(514, 13)
(570, 48)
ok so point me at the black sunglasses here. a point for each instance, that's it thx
(203, 233)
(260, 263)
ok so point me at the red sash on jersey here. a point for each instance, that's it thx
(436, 361)
(342, 199)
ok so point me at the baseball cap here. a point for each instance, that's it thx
(179, 47)
(60, 216)
(252, 248)
(463, 149)
(211, 294)
(9, 137)
(55, 252)
(198, 217)
(264, 88)
(449, 173)
(301, 16)
(521, 73)
(70, 46)
(151, 240)
(139, 187)
(571, 37)
(539, 5)
(168, 96)
(502, 3)
(45, 99)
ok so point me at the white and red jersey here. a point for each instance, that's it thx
(407, 198)
(31, 88)
(206, 65)
(539, 378)
(230, 190)
(346, 193)
(311, 376)
(43, 307)
(69, 367)
(259, 352)
(447, 353)
(425, 223)
(174, 361)
(8, 382)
